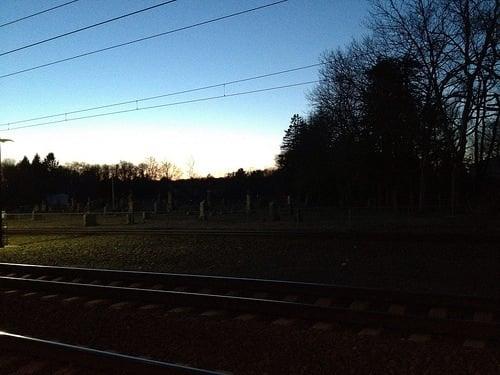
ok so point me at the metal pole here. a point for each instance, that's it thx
(1, 200)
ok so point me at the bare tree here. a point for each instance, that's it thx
(455, 43)
(190, 168)
(152, 168)
(170, 171)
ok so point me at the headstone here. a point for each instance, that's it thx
(209, 199)
(298, 215)
(87, 206)
(170, 202)
(248, 204)
(89, 220)
(273, 213)
(289, 204)
(202, 210)
(105, 210)
(129, 218)
(155, 207)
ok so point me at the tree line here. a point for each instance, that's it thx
(27, 184)
(408, 115)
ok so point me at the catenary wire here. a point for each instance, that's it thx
(223, 84)
(86, 27)
(143, 39)
(37, 13)
(198, 100)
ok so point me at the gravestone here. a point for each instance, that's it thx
(209, 199)
(129, 218)
(170, 202)
(289, 204)
(89, 220)
(202, 215)
(248, 204)
(298, 216)
(273, 213)
(155, 207)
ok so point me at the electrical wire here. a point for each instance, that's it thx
(38, 13)
(205, 99)
(143, 39)
(223, 84)
(86, 27)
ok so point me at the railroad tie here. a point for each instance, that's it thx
(323, 302)
(322, 326)
(96, 302)
(359, 305)
(71, 300)
(476, 344)
(121, 305)
(397, 309)
(291, 298)
(481, 316)
(245, 317)
(370, 332)
(284, 322)
(417, 337)
(438, 313)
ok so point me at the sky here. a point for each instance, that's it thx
(220, 135)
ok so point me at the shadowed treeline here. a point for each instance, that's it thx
(409, 115)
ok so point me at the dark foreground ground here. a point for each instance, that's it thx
(464, 267)
(258, 346)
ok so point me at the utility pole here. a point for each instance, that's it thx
(2, 140)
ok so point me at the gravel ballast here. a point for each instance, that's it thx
(222, 342)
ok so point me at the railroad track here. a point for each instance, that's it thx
(28, 355)
(473, 320)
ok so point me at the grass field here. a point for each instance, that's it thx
(317, 218)
(465, 268)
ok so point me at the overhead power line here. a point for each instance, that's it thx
(38, 13)
(136, 101)
(144, 38)
(87, 27)
(205, 99)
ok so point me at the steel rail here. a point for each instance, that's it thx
(265, 285)
(404, 323)
(93, 358)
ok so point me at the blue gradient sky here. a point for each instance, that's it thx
(220, 135)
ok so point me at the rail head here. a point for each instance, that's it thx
(93, 358)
